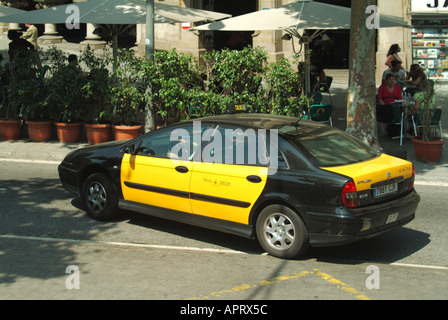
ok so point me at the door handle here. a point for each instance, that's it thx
(181, 169)
(253, 179)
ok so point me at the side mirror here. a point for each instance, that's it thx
(129, 149)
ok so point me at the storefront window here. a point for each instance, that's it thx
(430, 46)
(430, 37)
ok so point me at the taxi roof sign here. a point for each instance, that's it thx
(235, 108)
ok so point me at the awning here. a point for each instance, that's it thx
(6, 11)
(303, 14)
(112, 12)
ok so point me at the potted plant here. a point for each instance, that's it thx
(427, 147)
(10, 123)
(126, 96)
(125, 99)
(28, 92)
(98, 113)
(66, 100)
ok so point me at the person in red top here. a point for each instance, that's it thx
(388, 93)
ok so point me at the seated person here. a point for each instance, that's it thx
(388, 93)
(318, 76)
(397, 71)
(416, 77)
(420, 101)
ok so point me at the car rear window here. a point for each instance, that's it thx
(330, 147)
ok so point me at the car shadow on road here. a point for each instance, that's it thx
(387, 248)
(215, 238)
(390, 247)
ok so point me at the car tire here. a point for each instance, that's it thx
(281, 232)
(100, 197)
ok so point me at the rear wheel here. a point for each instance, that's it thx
(281, 232)
(101, 197)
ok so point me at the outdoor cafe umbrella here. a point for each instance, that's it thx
(302, 14)
(5, 11)
(111, 13)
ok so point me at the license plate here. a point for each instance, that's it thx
(385, 190)
(392, 217)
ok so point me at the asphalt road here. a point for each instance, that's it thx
(48, 245)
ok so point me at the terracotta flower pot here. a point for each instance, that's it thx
(428, 151)
(10, 129)
(126, 132)
(40, 130)
(97, 133)
(69, 132)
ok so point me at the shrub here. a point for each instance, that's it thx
(236, 75)
(126, 89)
(28, 91)
(66, 97)
(172, 76)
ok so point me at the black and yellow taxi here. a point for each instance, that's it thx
(286, 182)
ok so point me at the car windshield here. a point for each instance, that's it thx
(330, 147)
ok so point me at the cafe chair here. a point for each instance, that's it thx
(436, 121)
(44, 71)
(315, 97)
(325, 87)
(321, 113)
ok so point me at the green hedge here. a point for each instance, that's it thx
(183, 86)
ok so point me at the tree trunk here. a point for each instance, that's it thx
(361, 102)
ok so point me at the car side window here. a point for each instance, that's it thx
(228, 145)
(281, 161)
(156, 145)
(173, 143)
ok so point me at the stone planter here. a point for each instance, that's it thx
(40, 130)
(126, 132)
(10, 129)
(97, 133)
(69, 132)
(428, 151)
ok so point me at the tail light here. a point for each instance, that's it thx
(349, 195)
(411, 184)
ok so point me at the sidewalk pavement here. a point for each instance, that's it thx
(55, 151)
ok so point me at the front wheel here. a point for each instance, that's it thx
(100, 197)
(281, 232)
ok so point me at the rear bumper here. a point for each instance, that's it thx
(363, 223)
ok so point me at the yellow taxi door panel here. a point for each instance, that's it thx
(225, 191)
(156, 181)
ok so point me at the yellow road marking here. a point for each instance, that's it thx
(330, 279)
(341, 285)
(246, 286)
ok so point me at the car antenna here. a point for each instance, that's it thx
(296, 124)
